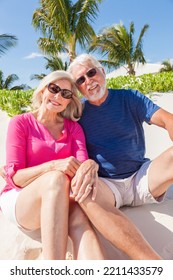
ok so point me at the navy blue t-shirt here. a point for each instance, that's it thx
(114, 132)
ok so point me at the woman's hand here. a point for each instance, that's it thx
(69, 165)
(85, 181)
(25, 176)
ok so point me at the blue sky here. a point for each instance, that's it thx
(26, 59)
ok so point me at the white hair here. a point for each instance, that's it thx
(84, 59)
(74, 108)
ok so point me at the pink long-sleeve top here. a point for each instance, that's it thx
(29, 143)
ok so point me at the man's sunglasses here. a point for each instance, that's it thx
(90, 73)
(65, 93)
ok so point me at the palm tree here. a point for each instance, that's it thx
(6, 41)
(118, 44)
(167, 66)
(7, 83)
(53, 64)
(56, 63)
(64, 24)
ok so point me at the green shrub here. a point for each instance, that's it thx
(148, 83)
(15, 102)
(18, 101)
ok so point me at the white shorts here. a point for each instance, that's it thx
(8, 205)
(132, 191)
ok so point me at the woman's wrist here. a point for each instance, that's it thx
(49, 166)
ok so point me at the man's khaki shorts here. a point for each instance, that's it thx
(132, 191)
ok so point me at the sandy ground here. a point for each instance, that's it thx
(155, 221)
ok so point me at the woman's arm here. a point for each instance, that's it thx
(79, 149)
(24, 177)
(17, 172)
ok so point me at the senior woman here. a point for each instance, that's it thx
(45, 149)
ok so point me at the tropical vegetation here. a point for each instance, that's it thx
(148, 83)
(6, 83)
(17, 102)
(167, 66)
(65, 25)
(6, 41)
(52, 63)
(117, 43)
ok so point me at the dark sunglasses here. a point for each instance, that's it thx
(90, 73)
(65, 93)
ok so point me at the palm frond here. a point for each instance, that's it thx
(7, 41)
(117, 43)
(55, 63)
(37, 76)
(9, 80)
(50, 46)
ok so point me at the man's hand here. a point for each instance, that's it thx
(85, 181)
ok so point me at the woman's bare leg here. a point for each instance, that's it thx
(45, 204)
(85, 242)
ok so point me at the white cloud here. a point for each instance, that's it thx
(33, 55)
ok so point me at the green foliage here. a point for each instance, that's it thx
(9, 80)
(117, 43)
(6, 41)
(65, 24)
(167, 66)
(15, 102)
(148, 83)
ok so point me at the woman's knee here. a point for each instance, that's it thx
(56, 181)
(78, 221)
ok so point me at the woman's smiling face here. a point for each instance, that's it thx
(55, 102)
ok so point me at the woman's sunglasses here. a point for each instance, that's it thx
(65, 93)
(90, 73)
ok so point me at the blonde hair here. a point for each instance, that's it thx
(84, 59)
(74, 108)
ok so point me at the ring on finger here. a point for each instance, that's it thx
(89, 187)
